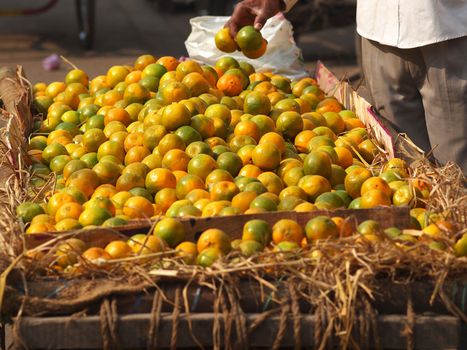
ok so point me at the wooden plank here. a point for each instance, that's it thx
(233, 225)
(431, 332)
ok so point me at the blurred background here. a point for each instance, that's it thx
(95, 34)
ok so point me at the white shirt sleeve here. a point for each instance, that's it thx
(289, 4)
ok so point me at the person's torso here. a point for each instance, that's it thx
(411, 23)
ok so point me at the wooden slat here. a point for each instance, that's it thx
(233, 225)
(431, 332)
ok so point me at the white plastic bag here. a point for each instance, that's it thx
(282, 56)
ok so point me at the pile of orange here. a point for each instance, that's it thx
(168, 138)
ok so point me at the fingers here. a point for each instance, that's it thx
(260, 21)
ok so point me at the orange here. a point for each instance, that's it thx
(95, 254)
(314, 185)
(187, 184)
(84, 180)
(271, 181)
(218, 175)
(169, 62)
(245, 153)
(335, 122)
(100, 202)
(111, 148)
(243, 200)
(292, 176)
(133, 139)
(275, 139)
(214, 238)
(344, 157)
(226, 62)
(142, 244)
(160, 178)
(305, 207)
(118, 249)
(320, 227)
(248, 38)
(171, 231)
(250, 170)
(288, 164)
(127, 181)
(292, 191)
(94, 216)
(105, 190)
(302, 139)
(249, 128)
(169, 142)
(196, 194)
(204, 125)
(367, 150)
(266, 156)
(175, 116)
(138, 207)
(230, 84)
(173, 91)
(201, 165)
(257, 230)
(164, 198)
(329, 104)
(187, 67)
(289, 123)
(253, 54)
(223, 190)
(375, 183)
(256, 103)
(230, 162)
(76, 76)
(117, 114)
(373, 198)
(69, 210)
(188, 251)
(136, 154)
(354, 181)
(318, 163)
(287, 230)
(224, 41)
(136, 92)
(175, 159)
(398, 166)
(265, 203)
(115, 75)
(345, 227)
(197, 83)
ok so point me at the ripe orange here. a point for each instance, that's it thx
(214, 238)
(253, 54)
(171, 231)
(223, 190)
(224, 41)
(175, 116)
(320, 227)
(230, 84)
(375, 183)
(118, 249)
(169, 62)
(249, 39)
(266, 156)
(354, 181)
(373, 198)
(287, 230)
(84, 180)
(314, 185)
(160, 178)
(142, 244)
(187, 184)
(138, 207)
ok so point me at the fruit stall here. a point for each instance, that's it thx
(173, 203)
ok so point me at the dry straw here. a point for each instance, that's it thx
(337, 281)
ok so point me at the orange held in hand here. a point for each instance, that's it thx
(248, 40)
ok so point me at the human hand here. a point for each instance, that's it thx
(253, 12)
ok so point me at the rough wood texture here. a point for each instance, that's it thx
(430, 333)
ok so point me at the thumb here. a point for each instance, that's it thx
(260, 21)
